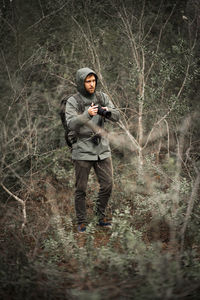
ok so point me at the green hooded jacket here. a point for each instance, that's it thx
(84, 124)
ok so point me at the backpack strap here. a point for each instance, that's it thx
(81, 105)
(62, 112)
(100, 98)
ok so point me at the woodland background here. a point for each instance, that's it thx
(146, 54)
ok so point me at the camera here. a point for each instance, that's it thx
(96, 139)
(103, 112)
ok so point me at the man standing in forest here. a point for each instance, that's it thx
(91, 149)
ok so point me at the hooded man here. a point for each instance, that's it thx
(90, 149)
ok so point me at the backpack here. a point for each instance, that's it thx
(71, 135)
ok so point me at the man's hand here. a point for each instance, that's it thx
(92, 110)
(105, 107)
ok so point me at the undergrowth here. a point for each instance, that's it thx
(140, 257)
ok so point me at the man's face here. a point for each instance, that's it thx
(90, 84)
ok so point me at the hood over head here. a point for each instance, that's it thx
(81, 75)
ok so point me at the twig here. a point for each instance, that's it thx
(7, 70)
(159, 40)
(41, 8)
(47, 16)
(171, 108)
(11, 27)
(189, 209)
(167, 126)
(15, 173)
(22, 203)
(63, 78)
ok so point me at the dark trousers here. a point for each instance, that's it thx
(104, 172)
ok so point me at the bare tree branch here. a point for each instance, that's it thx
(47, 16)
(189, 209)
(22, 203)
(8, 72)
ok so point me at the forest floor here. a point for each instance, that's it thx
(49, 259)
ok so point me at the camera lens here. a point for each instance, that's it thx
(104, 112)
